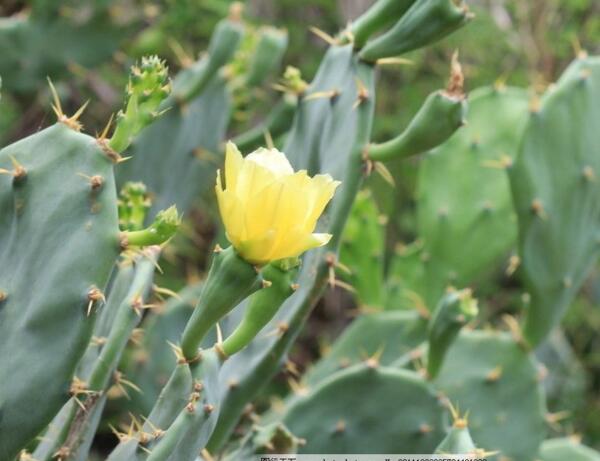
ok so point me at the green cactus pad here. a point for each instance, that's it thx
(384, 336)
(199, 424)
(268, 54)
(72, 428)
(425, 22)
(51, 213)
(150, 364)
(555, 187)
(458, 441)
(489, 375)
(566, 449)
(361, 251)
(368, 410)
(464, 197)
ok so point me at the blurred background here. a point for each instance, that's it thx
(86, 48)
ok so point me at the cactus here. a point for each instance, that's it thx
(455, 217)
(361, 252)
(554, 195)
(198, 114)
(75, 173)
(73, 428)
(50, 164)
(482, 373)
(383, 337)
(50, 38)
(332, 417)
(387, 383)
(334, 115)
(425, 22)
(454, 311)
(150, 364)
(272, 438)
(458, 440)
(566, 448)
(565, 382)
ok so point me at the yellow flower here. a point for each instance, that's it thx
(269, 211)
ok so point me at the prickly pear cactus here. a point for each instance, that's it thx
(57, 204)
(463, 194)
(334, 115)
(482, 374)
(72, 430)
(555, 189)
(334, 416)
(361, 252)
(44, 42)
(567, 448)
(383, 337)
(182, 150)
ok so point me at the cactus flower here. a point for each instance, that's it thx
(270, 211)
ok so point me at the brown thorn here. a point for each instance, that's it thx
(537, 208)
(104, 133)
(457, 79)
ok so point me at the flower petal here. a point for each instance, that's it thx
(233, 165)
(273, 160)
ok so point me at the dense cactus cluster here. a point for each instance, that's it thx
(83, 322)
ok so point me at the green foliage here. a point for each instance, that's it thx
(555, 195)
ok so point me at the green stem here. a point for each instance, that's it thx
(171, 438)
(229, 281)
(162, 229)
(381, 14)
(438, 118)
(261, 308)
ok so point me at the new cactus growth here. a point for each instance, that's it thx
(426, 21)
(134, 203)
(442, 113)
(453, 312)
(148, 87)
(163, 227)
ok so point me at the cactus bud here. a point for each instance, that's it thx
(162, 229)
(134, 203)
(148, 86)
